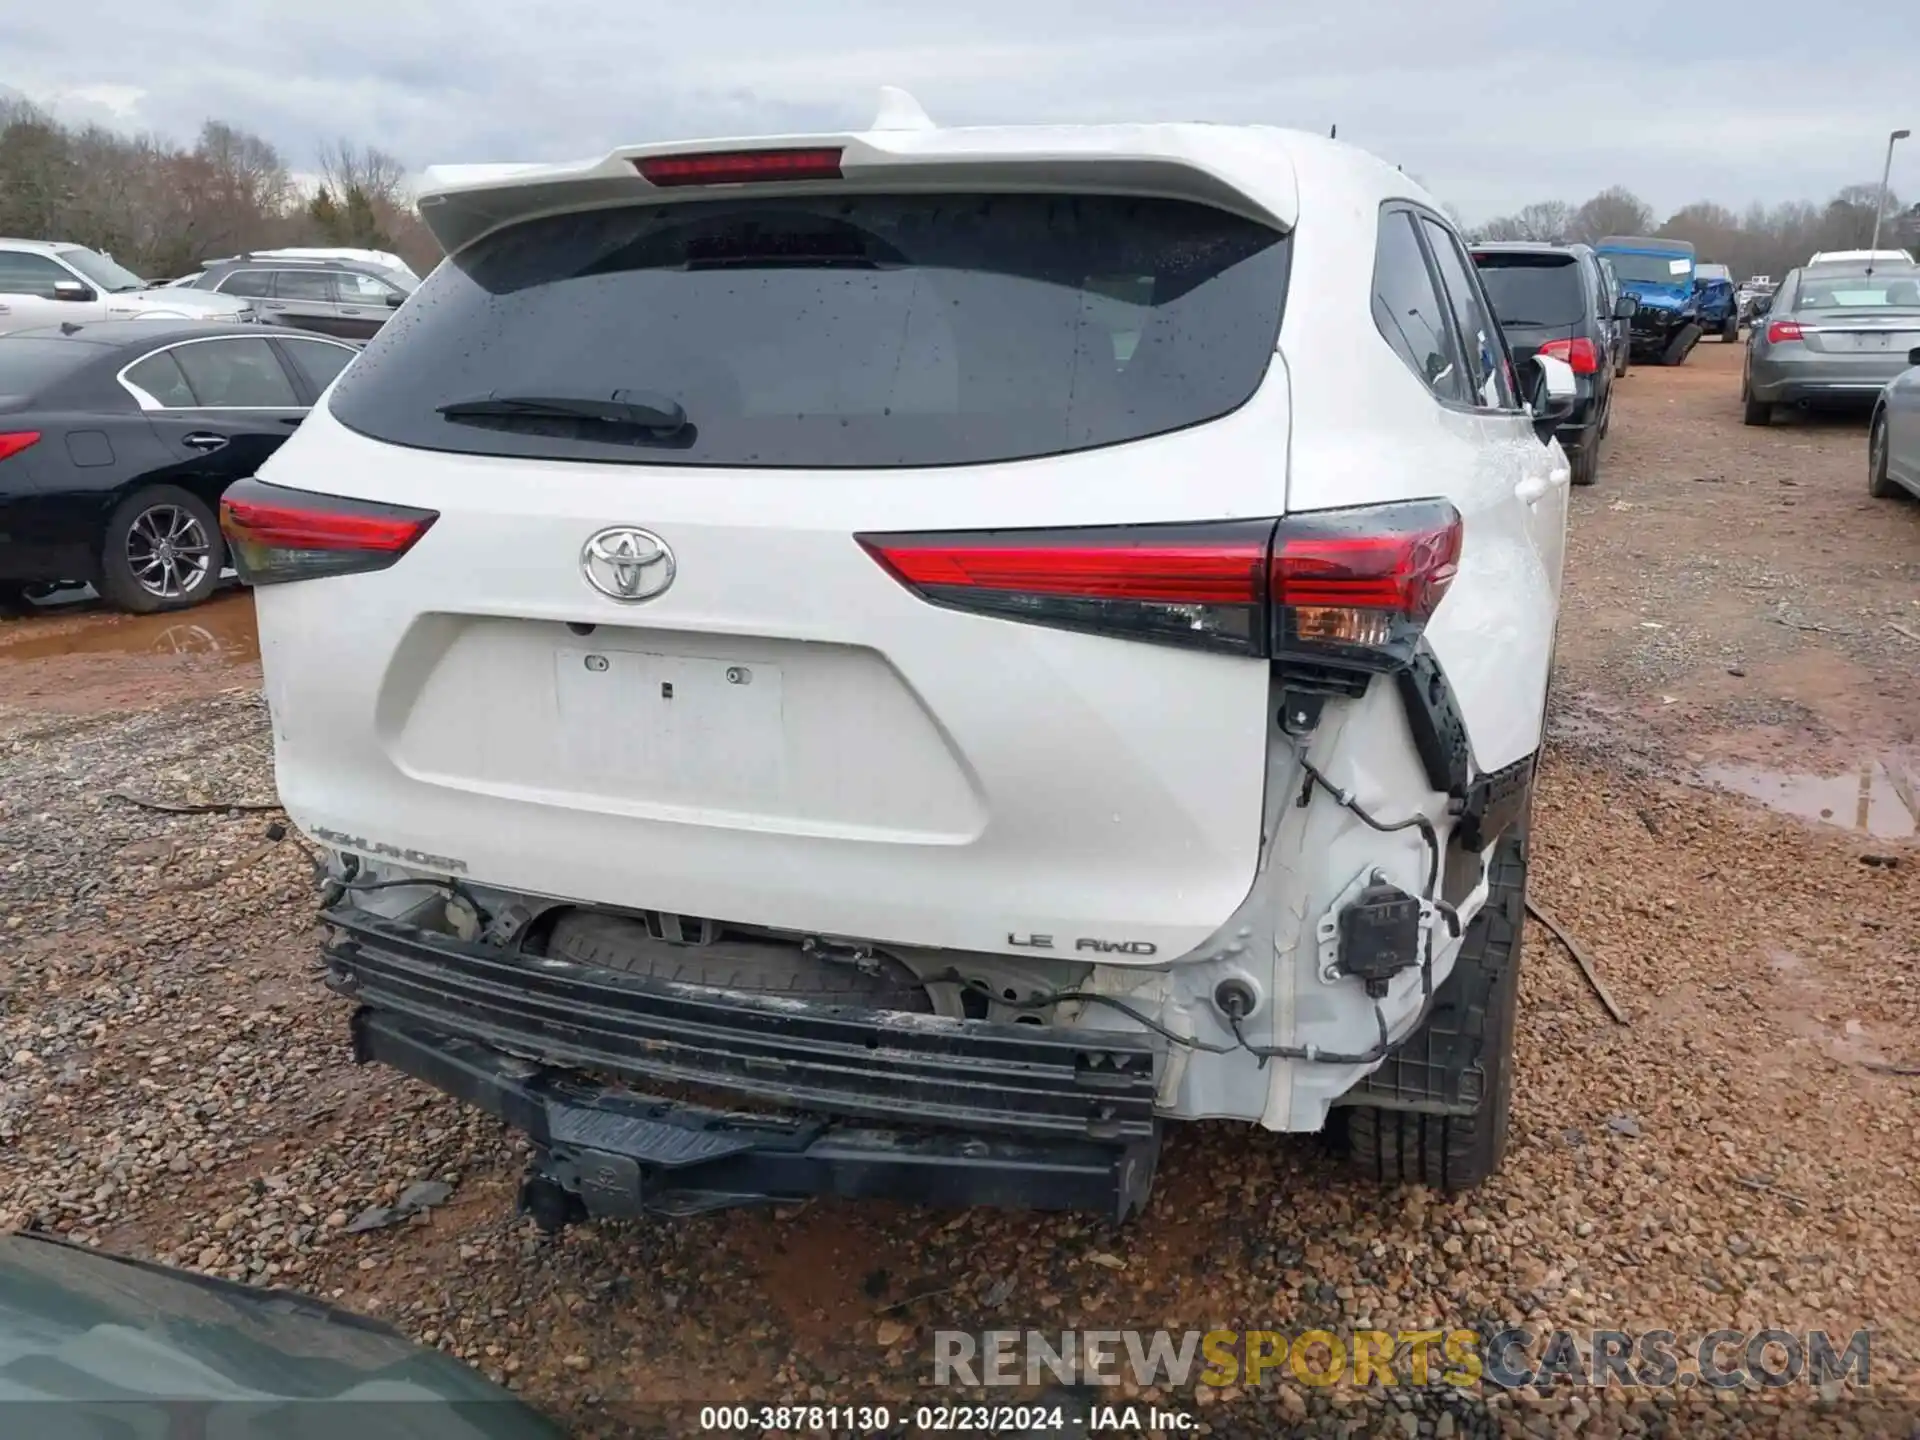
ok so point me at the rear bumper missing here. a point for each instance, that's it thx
(864, 1103)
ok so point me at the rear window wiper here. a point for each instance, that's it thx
(640, 409)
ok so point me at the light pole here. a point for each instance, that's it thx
(1886, 173)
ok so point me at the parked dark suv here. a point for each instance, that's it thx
(330, 297)
(1554, 299)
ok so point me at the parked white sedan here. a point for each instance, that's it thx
(1893, 442)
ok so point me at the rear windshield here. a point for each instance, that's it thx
(29, 365)
(1652, 269)
(1533, 289)
(1859, 292)
(834, 330)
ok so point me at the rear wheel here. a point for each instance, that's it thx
(162, 551)
(1586, 461)
(1758, 412)
(1879, 484)
(1476, 1002)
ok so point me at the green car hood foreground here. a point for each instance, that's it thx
(98, 1348)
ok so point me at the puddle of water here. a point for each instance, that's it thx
(1877, 799)
(220, 631)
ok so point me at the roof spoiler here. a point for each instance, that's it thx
(902, 150)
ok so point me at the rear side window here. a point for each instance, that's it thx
(303, 285)
(236, 375)
(160, 376)
(1409, 313)
(836, 331)
(247, 282)
(1479, 332)
(1530, 290)
(317, 361)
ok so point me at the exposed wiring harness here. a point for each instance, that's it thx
(1311, 1053)
(337, 886)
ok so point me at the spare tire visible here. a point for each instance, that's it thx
(757, 967)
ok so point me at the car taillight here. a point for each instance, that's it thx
(739, 167)
(1579, 355)
(1784, 330)
(1198, 585)
(276, 534)
(1358, 586)
(1348, 587)
(12, 442)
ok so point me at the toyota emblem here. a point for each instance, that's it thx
(626, 563)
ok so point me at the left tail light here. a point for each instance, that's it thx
(1348, 587)
(276, 534)
(12, 442)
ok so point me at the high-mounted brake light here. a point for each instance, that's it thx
(740, 167)
(1784, 330)
(1348, 588)
(1579, 354)
(276, 534)
(12, 442)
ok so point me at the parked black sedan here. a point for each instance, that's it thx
(117, 439)
(1555, 300)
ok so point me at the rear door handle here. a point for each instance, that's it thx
(203, 440)
(1533, 489)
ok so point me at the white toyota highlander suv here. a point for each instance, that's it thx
(895, 663)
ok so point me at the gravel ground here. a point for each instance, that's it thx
(175, 1083)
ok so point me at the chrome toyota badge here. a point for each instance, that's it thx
(626, 563)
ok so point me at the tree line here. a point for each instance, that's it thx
(1760, 240)
(160, 208)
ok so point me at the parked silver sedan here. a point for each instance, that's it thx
(1893, 441)
(1831, 337)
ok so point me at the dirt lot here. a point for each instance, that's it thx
(1743, 625)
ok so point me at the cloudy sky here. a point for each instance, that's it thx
(1492, 102)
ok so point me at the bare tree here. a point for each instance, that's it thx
(36, 170)
(346, 167)
(1546, 220)
(1614, 211)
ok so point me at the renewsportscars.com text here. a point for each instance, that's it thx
(1508, 1359)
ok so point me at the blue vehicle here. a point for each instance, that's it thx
(1719, 302)
(1660, 275)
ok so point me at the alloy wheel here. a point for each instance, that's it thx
(168, 551)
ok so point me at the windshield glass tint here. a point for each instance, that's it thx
(835, 330)
(102, 271)
(1526, 291)
(1654, 269)
(1859, 292)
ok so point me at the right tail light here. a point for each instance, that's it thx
(1351, 587)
